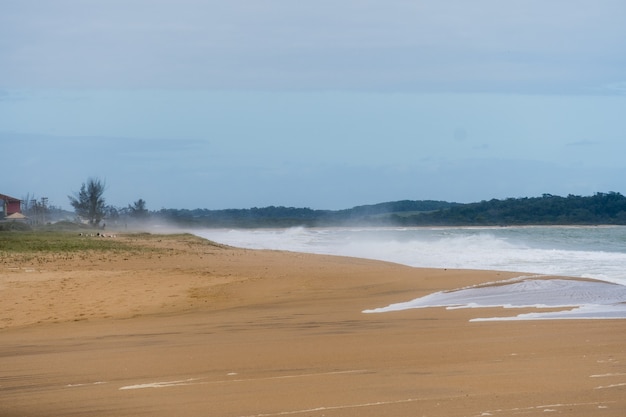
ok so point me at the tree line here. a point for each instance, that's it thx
(600, 208)
(548, 209)
(280, 216)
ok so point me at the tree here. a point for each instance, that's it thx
(138, 209)
(88, 203)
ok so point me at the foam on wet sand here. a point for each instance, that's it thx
(583, 299)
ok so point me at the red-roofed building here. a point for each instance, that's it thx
(10, 205)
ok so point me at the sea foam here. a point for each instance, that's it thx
(598, 253)
(584, 299)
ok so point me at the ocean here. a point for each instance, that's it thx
(595, 252)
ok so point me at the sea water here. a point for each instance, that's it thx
(598, 253)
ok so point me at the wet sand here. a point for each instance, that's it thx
(186, 328)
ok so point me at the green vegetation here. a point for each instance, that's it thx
(89, 202)
(601, 208)
(43, 241)
(291, 216)
(90, 210)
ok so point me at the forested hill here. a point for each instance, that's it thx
(601, 208)
(273, 216)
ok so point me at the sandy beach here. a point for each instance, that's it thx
(179, 326)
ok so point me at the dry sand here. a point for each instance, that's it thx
(194, 329)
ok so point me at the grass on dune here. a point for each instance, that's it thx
(56, 241)
(67, 238)
(43, 246)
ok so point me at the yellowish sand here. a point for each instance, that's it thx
(188, 328)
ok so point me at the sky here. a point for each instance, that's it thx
(325, 104)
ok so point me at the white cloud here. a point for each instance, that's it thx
(486, 45)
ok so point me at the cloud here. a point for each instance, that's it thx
(487, 45)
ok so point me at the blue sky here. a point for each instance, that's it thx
(326, 104)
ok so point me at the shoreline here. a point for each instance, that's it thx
(201, 329)
(517, 249)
